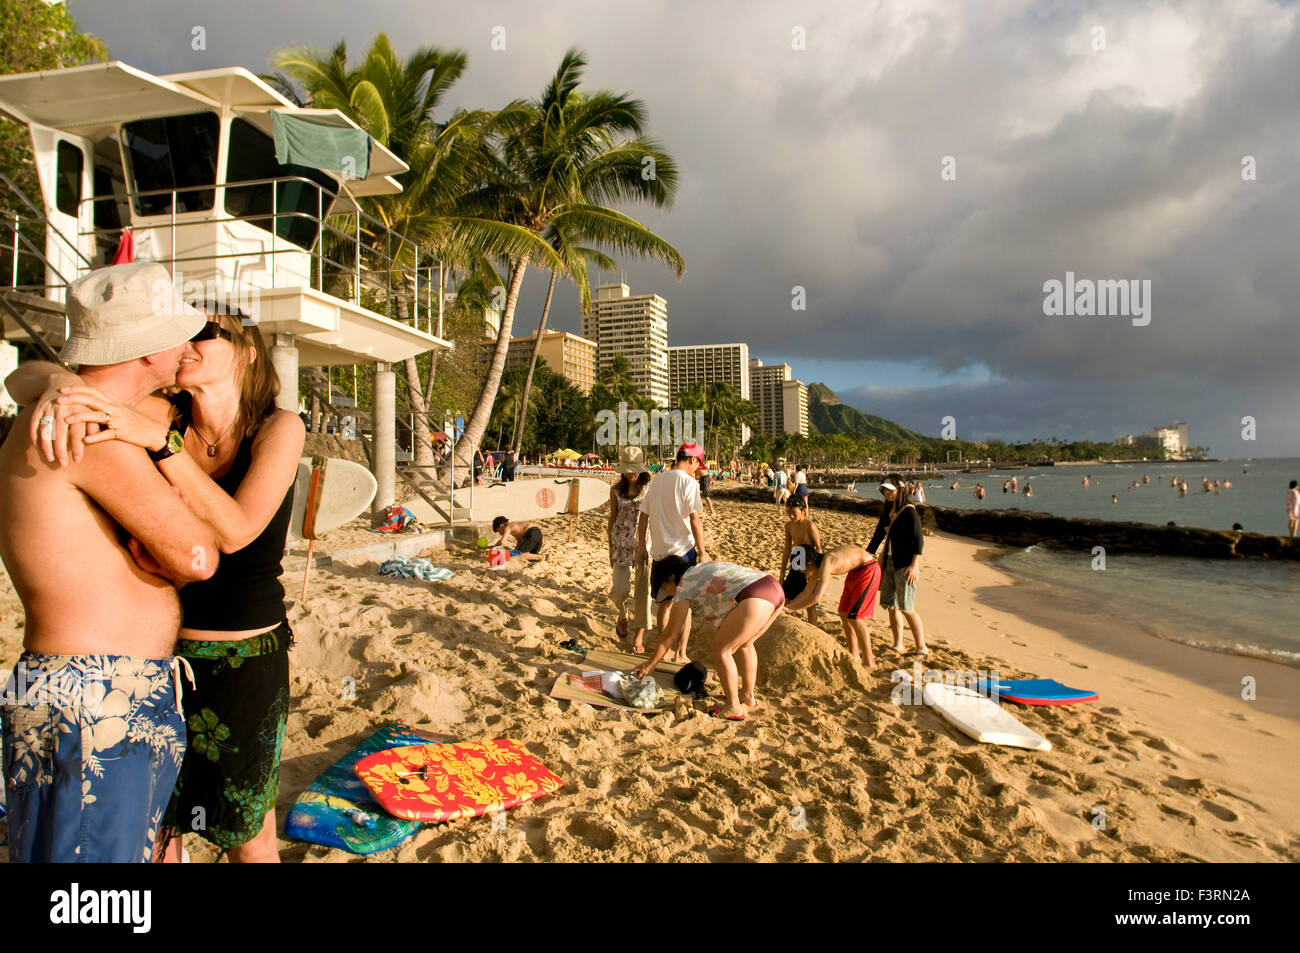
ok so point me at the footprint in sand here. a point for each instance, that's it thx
(1180, 815)
(1014, 642)
(1219, 811)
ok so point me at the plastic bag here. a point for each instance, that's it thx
(641, 692)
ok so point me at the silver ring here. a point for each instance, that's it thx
(47, 421)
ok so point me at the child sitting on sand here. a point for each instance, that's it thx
(857, 604)
(803, 550)
(528, 539)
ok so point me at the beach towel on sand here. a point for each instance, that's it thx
(417, 568)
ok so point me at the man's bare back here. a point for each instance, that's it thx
(64, 540)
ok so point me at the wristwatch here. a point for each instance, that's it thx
(175, 444)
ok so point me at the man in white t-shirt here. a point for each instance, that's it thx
(671, 511)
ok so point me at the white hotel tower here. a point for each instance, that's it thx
(635, 326)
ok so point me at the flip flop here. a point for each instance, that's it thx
(915, 654)
(716, 712)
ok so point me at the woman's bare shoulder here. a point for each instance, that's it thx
(282, 427)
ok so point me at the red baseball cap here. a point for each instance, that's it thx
(692, 449)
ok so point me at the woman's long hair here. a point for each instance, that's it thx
(259, 384)
(624, 486)
(900, 494)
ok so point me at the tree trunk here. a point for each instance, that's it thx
(478, 421)
(532, 363)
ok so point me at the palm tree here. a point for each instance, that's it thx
(395, 101)
(576, 260)
(562, 164)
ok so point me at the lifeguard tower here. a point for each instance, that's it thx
(235, 189)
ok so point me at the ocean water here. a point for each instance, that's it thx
(1256, 499)
(1244, 607)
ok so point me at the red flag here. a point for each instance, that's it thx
(125, 253)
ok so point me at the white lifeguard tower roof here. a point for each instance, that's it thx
(92, 101)
(114, 145)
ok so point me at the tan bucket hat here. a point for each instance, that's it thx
(631, 460)
(123, 312)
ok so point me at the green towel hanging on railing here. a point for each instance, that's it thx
(301, 140)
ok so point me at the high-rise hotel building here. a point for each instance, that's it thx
(782, 401)
(635, 326)
(567, 354)
(693, 364)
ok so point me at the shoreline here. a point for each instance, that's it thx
(1029, 527)
(1066, 611)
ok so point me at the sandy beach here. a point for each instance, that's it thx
(831, 769)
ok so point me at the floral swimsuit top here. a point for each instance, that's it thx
(712, 588)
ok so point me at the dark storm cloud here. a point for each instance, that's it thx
(821, 168)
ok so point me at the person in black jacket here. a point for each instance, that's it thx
(900, 530)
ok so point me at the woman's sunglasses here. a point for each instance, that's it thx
(212, 330)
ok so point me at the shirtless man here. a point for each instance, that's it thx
(93, 729)
(857, 604)
(803, 549)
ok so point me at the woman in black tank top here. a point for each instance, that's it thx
(236, 469)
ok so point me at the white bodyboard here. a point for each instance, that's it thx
(981, 717)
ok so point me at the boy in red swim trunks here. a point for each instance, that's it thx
(858, 603)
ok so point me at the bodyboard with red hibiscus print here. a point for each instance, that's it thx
(449, 781)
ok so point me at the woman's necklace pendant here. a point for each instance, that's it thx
(212, 451)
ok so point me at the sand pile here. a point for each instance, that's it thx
(795, 655)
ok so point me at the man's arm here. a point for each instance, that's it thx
(34, 378)
(642, 523)
(697, 530)
(812, 595)
(129, 488)
(785, 557)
